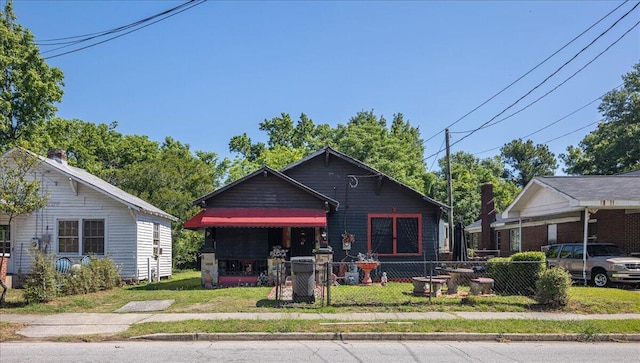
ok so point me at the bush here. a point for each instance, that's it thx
(498, 269)
(99, 274)
(41, 284)
(526, 267)
(552, 288)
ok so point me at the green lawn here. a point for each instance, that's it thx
(185, 289)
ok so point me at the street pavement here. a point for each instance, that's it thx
(88, 324)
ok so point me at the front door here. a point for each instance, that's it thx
(303, 240)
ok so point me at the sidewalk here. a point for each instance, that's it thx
(83, 324)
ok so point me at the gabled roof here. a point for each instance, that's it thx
(85, 178)
(265, 169)
(558, 194)
(326, 151)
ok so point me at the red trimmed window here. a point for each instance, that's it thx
(395, 234)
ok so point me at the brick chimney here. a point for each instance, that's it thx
(487, 215)
(58, 155)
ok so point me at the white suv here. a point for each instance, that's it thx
(606, 262)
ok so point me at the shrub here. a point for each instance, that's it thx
(525, 270)
(41, 284)
(498, 269)
(552, 288)
(99, 274)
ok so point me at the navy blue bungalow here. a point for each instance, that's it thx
(327, 199)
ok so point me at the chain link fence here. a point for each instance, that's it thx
(303, 281)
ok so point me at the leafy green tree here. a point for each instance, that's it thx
(171, 180)
(396, 150)
(19, 194)
(613, 147)
(28, 86)
(468, 174)
(528, 160)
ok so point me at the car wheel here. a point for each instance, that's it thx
(599, 278)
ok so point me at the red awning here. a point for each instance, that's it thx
(257, 217)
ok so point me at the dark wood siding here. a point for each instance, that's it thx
(361, 196)
(265, 192)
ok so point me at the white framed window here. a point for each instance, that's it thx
(68, 236)
(5, 235)
(552, 233)
(156, 234)
(90, 239)
(93, 236)
(514, 239)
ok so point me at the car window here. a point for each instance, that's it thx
(578, 252)
(605, 250)
(566, 252)
(552, 252)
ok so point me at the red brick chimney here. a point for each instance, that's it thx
(487, 215)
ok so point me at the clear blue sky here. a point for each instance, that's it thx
(219, 69)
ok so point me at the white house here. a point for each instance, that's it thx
(86, 215)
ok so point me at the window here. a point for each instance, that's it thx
(566, 252)
(398, 234)
(5, 235)
(93, 236)
(498, 238)
(552, 252)
(156, 234)
(68, 237)
(474, 240)
(89, 239)
(552, 233)
(514, 239)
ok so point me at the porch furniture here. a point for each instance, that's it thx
(425, 286)
(458, 276)
(481, 286)
(63, 265)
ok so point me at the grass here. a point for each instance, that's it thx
(185, 289)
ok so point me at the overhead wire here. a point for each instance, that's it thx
(59, 41)
(552, 123)
(193, 3)
(486, 124)
(528, 72)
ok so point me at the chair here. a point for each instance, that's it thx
(63, 265)
(85, 260)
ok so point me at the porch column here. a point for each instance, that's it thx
(584, 245)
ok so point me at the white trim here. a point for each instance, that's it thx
(521, 224)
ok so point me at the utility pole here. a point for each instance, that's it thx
(449, 191)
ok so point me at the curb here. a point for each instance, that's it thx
(391, 336)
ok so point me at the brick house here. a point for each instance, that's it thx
(557, 209)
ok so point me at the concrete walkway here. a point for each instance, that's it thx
(84, 324)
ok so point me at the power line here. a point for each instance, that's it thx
(486, 124)
(528, 72)
(550, 124)
(193, 3)
(110, 31)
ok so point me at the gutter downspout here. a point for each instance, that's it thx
(584, 245)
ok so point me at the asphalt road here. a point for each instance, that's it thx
(319, 351)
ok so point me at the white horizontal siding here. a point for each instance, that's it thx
(145, 246)
(121, 228)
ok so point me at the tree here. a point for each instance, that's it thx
(28, 86)
(528, 160)
(468, 174)
(172, 179)
(396, 151)
(613, 147)
(19, 194)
